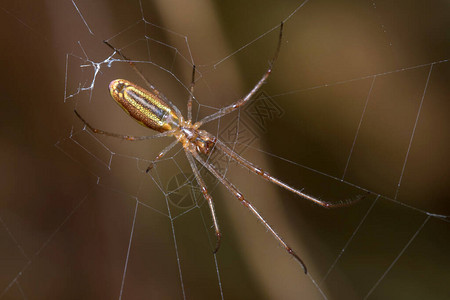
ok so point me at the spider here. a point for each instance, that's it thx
(153, 110)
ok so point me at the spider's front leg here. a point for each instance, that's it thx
(230, 187)
(234, 106)
(206, 195)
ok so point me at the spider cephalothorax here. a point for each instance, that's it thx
(198, 140)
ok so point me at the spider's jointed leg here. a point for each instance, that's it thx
(258, 171)
(132, 64)
(206, 195)
(248, 205)
(160, 155)
(232, 107)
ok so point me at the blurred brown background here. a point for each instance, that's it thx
(69, 201)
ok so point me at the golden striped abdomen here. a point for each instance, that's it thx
(148, 108)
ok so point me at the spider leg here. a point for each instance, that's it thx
(125, 137)
(132, 64)
(248, 205)
(160, 155)
(191, 96)
(206, 195)
(250, 166)
(232, 107)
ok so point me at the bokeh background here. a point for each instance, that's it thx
(377, 70)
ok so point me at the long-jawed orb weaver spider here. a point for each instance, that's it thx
(153, 110)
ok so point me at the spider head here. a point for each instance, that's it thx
(204, 142)
(198, 140)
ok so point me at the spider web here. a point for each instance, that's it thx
(354, 106)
